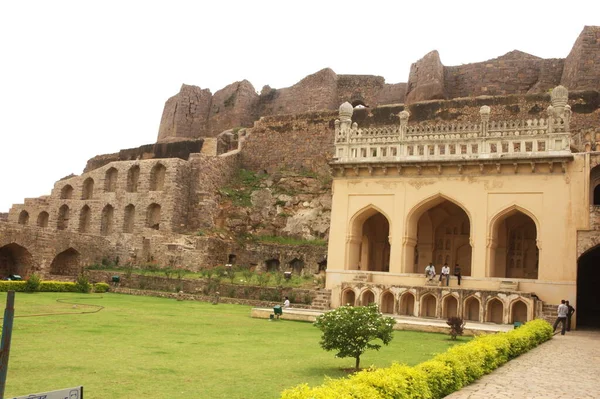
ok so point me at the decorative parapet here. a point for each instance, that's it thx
(485, 139)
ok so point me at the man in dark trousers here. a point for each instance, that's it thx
(457, 272)
(563, 310)
(569, 315)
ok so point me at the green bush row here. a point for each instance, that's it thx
(435, 378)
(50, 286)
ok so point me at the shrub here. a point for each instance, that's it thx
(101, 287)
(435, 378)
(457, 326)
(350, 330)
(17, 286)
(33, 283)
(83, 284)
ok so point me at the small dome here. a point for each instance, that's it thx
(485, 110)
(346, 110)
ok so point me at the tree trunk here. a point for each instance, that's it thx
(357, 362)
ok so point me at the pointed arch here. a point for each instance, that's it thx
(449, 306)
(494, 311)
(272, 265)
(87, 191)
(519, 311)
(42, 219)
(428, 305)
(297, 265)
(436, 227)
(85, 216)
(157, 177)
(407, 304)
(387, 302)
(133, 178)
(368, 245)
(62, 222)
(66, 263)
(15, 259)
(472, 308)
(367, 297)
(24, 217)
(153, 216)
(513, 249)
(66, 192)
(106, 222)
(348, 297)
(129, 219)
(110, 180)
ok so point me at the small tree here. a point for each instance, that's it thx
(457, 326)
(351, 330)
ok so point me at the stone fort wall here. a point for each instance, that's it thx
(195, 112)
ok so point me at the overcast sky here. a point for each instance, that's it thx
(81, 78)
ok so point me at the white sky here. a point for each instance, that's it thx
(81, 78)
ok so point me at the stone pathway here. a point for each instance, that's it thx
(564, 367)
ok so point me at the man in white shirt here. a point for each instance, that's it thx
(563, 311)
(445, 274)
(430, 271)
(286, 303)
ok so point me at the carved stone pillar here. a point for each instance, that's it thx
(404, 115)
(484, 114)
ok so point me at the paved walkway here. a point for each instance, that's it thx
(565, 367)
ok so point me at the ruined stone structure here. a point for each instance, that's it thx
(492, 172)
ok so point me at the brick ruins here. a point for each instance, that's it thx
(171, 202)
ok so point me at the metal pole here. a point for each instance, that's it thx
(7, 327)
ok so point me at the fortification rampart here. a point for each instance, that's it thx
(195, 112)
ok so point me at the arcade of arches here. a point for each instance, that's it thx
(440, 232)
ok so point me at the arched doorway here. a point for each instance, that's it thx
(24, 217)
(428, 306)
(513, 251)
(439, 231)
(66, 263)
(588, 293)
(471, 310)
(367, 298)
(15, 259)
(66, 192)
(297, 266)
(272, 265)
(369, 248)
(387, 303)
(495, 311)
(348, 298)
(450, 307)
(518, 312)
(407, 304)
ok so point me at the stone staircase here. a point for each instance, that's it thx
(322, 300)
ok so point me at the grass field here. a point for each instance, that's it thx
(160, 348)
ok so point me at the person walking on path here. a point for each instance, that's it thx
(563, 311)
(445, 274)
(569, 315)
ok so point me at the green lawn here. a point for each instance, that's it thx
(160, 348)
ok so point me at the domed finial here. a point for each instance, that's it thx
(346, 111)
(559, 96)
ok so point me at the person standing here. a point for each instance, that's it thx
(430, 271)
(569, 315)
(563, 311)
(457, 272)
(445, 274)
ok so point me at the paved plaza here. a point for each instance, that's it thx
(565, 367)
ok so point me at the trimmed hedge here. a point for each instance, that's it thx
(446, 373)
(49, 286)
